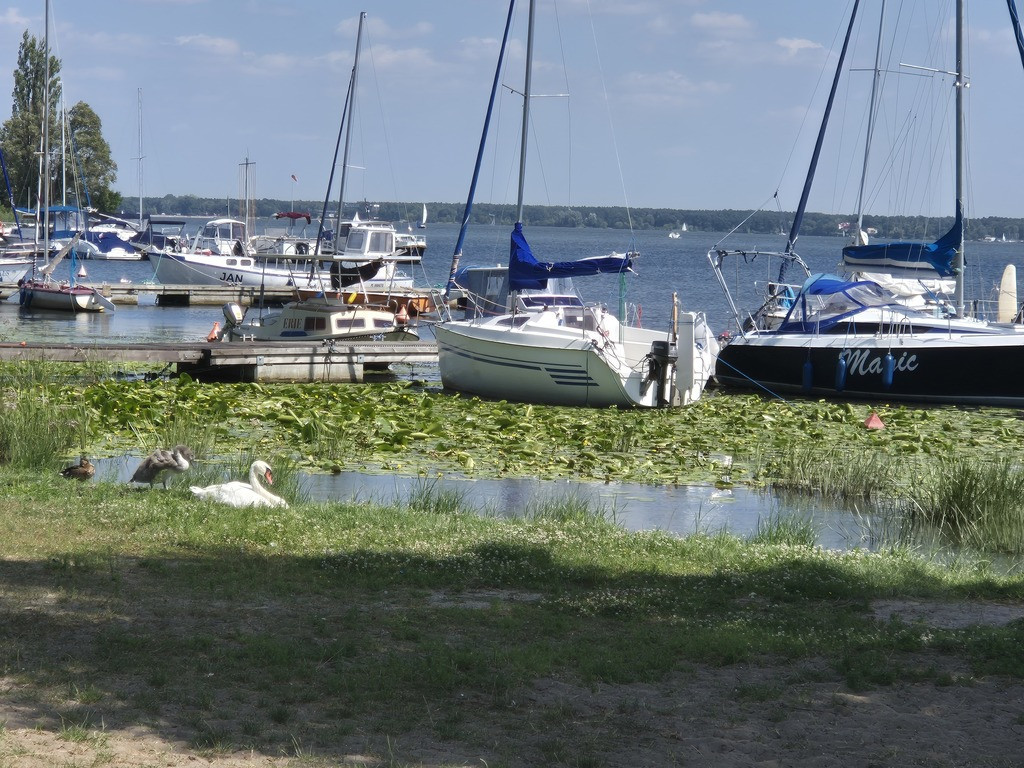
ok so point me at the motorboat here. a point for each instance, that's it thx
(219, 255)
(317, 319)
(288, 241)
(160, 236)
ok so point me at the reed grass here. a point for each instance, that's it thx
(833, 473)
(973, 503)
(790, 529)
(35, 432)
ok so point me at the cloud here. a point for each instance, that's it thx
(727, 24)
(483, 49)
(218, 46)
(794, 46)
(11, 17)
(378, 29)
(621, 7)
(668, 88)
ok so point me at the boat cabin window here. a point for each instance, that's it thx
(540, 301)
(380, 323)
(234, 230)
(513, 320)
(356, 240)
(382, 242)
(315, 324)
(351, 323)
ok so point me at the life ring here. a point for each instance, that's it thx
(302, 248)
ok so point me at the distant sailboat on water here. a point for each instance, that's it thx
(423, 221)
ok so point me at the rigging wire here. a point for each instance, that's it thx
(611, 122)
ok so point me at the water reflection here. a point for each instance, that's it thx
(680, 510)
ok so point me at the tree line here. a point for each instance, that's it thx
(612, 217)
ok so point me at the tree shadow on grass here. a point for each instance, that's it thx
(334, 655)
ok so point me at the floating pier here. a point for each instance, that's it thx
(181, 295)
(240, 360)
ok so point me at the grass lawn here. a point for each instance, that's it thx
(147, 627)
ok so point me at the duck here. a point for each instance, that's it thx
(161, 463)
(239, 494)
(83, 470)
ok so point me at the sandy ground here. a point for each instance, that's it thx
(767, 716)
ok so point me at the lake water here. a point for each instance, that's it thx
(665, 266)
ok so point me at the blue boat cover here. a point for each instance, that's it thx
(825, 300)
(526, 273)
(937, 256)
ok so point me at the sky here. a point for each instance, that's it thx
(689, 104)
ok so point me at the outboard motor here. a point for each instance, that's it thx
(663, 357)
(233, 315)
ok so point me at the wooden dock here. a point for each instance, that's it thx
(180, 295)
(240, 360)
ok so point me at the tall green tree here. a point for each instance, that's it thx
(96, 170)
(21, 137)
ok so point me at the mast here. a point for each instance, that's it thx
(876, 75)
(527, 82)
(351, 111)
(958, 259)
(140, 157)
(345, 111)
(46, 134)
(801, 208)
(457, 255)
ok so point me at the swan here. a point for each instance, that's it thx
(160, 463)
(239, 494)
(83, 470)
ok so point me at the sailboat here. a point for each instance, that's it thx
(536, 341)
(45, 292)
(848, 337)
(423, 220)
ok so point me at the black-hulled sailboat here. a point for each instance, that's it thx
(853, 337)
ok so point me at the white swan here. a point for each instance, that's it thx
(161, 462)
(239, 494)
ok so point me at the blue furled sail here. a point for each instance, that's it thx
(526, 273)
(936, 257)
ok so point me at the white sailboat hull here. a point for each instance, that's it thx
(561, 365)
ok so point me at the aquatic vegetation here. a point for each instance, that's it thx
(974, 502)
(399, 426)
(822, 449)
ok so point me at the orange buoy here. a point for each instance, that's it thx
(214, 333)
(873, 422)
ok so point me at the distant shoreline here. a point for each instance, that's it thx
(598, 217)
